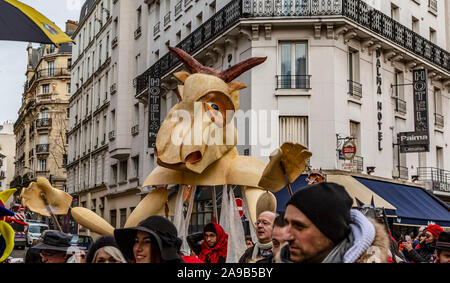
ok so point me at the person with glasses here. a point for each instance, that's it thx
(263, 247)
(426, 251)
(53, 248)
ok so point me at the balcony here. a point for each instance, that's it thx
(293, 82)
(112, 135)
(43, 123)
(188, 4)
(114, 42)
(42, 149)
(135, 130)
(167, 20)
(400, 105)
(2, 175)
(113, 88)
(354, 89)
(437, 179)
(360, 15)
(439, 120)
(138, 33)
(433, 6)
(157, 29)
(178, 8)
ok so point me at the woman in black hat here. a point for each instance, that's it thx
(154, 240)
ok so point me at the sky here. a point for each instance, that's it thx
(13, 55)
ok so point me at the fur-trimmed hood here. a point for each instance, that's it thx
(379, 250)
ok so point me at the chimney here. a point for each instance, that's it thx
(71, 26)
(30, 56)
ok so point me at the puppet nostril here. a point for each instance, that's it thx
(193, 157)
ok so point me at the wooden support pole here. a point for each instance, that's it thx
(50, 211)
(214, 201)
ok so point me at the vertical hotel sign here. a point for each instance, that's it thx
(154, 110)
(379, 103)
(419, 140)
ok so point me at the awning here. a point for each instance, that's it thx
(415, 206)
(354, 188)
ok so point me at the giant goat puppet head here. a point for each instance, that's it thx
(199, 130)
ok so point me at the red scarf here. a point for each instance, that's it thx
(219, 250)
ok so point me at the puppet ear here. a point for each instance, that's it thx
(180, 92)
(235, 86)
(182, 76)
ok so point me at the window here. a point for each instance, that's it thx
(69, 88)
(294, 129)
(113, 217)
(294, 67)
(432, 35)
(415, 25)
(439, 117)
(138, 17)
(136, 166)
(439, 158)
(123, 171)
(51, 69)
(355, 133)
(44, 113)
(355, 87)
(45, 89)
(114, 173)
(42, 164)
(136, 115)
(395, 12)
(123, 217)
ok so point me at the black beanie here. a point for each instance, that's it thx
(101, 242)
(328, 207)
(209, 228)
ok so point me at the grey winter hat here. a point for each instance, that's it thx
(328, 206)
(54, 240)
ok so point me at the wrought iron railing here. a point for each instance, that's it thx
(355, 89)
(439, 120)
(43, 148)
(138, 32)
(135, 130)
(432, 4)
(354, 10)
(167, 19)
(178, 8)
(45, 74)
(187, 2)
(439, 178)
(400, 105)
(157, 28)
(112, 135)
(114, 42)
(43, 123)
(293, 82)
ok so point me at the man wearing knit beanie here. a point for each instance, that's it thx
(323, 228)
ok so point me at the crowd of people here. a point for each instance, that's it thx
(318, 226)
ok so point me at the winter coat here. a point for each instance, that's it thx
(422, 255)
(376, 253)
(218, 253)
